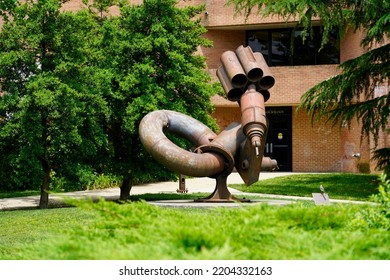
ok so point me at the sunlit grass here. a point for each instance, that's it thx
(137, 230)
(19, 193)
(23, 228)
(337, 185)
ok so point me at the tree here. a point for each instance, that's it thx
(51, 106)
(351, 94)
(149, 51)
(76, 85)
(6, 8)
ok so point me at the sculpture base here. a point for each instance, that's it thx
(219, 200)
(189, 203)
(221, 193)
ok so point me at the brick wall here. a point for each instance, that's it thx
(223, 40)
(226, 115)
(290, 83)
(316, 147)
(324, 148)
(219, 15)
(350, 46)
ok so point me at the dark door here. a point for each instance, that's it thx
(279, 139)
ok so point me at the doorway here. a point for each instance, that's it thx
(279, 139)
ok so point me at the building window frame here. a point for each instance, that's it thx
(275, 45)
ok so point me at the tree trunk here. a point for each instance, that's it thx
(127, 183)
(44, 201)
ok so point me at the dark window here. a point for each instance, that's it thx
(276, 47)
(304, 51)
(281, 50)
(330, 53)
(258, 41)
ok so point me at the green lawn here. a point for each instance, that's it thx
(19, 193)
(337, 185)
(21, 230)
(137, 230)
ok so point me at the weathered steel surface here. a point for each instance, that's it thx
(245, 78)
(253, 117)
(151, 131)
(251, 66)
(234, 70)
(268, 80)
(232, 93)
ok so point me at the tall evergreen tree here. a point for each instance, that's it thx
(352, 93)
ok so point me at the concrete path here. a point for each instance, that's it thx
(193, 185)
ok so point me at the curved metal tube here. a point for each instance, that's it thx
(151, 132)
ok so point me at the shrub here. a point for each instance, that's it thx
(105, 181)
(377, 216)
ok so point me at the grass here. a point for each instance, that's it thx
(20, 230)
(19, 193)
(337, 185)
(137, 230)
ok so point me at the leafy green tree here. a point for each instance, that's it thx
(51, 106)
(149, 50)
(100, 8)
(351, 94)
(6, 8)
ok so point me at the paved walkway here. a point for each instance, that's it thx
(194, 185)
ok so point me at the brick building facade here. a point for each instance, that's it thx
(297, 144)
(310, 148)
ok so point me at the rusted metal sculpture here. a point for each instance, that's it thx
(245, 78)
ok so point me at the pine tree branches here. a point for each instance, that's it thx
(353, 93)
